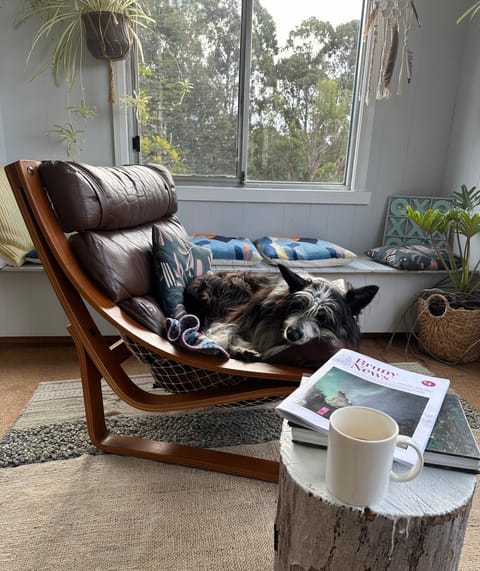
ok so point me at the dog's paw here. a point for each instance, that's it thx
(248, 355)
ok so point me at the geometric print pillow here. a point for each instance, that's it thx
(176, 262)
(227, 249)
(303, 252)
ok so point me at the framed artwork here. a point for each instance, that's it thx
(399, 230)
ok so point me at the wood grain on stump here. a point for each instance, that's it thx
(420, 525)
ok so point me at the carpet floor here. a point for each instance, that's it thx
(88, 511)
(114, 513)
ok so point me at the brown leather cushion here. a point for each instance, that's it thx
(111, 211)
(119, 262)
(146, 311)
(309, 356)
(108, 198)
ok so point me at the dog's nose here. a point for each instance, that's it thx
(293, 335)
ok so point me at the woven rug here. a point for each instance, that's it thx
(105, 512)
(53, 425)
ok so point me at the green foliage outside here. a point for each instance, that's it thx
(301, 93)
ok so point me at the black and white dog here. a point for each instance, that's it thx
(255, 315)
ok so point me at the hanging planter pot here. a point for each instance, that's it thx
(108, 38)
(107, 35)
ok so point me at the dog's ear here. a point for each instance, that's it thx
(358, 298)
(294, 281)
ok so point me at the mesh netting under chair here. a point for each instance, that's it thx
(175, 377)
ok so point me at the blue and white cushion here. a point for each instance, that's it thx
(303, 252)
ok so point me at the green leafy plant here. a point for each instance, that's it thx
(471, 12)
(455, 228)
(138, 102)
(68, 132)
(69, 135)
(85, 111)
(62, 28)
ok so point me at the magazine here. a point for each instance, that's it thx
(351, 378)
(451, 444)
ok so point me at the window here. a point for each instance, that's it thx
(256, 92)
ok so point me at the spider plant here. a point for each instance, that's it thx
(470, 12)
(61, 20)
(69, 135)
(68, 132)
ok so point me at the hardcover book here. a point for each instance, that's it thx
(350, 378)
(451, 444)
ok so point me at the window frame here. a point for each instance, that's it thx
(215, 188)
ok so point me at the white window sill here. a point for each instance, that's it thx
(278, 196)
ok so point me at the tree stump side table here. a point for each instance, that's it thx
(420, 525)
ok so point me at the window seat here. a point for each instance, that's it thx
(362, 264)
(28, 307)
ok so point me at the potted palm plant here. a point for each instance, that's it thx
(448, 318)
(107, 26)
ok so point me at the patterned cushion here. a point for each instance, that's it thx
(15, 241)
(412, 257)
(303, 252)
(176, 262)
(228, 249)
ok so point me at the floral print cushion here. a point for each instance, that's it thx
(413, 257)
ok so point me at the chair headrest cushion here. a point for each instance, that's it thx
(108, 198)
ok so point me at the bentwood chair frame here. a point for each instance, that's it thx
(98, 358)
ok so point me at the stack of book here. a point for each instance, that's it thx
(422, 405)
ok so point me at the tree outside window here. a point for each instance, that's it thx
(298, 69)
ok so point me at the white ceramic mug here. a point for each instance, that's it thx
(361, 443)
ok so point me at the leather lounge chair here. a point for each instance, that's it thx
(92, 228)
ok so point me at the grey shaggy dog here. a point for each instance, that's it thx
(256, 315)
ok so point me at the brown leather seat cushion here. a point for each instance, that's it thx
(110, 212)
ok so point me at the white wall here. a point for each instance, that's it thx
(407, 155)
(31, 107)
(3, 152)
(463, 158)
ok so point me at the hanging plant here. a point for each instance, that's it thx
(471, 12)
(107, 26)
(69, 132)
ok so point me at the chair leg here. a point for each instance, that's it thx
(206, 459)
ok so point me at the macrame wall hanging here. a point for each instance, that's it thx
(389, 57)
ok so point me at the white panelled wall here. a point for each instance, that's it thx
(424, 142)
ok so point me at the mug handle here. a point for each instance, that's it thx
(415, 469)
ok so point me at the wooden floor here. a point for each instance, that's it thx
(24, 365)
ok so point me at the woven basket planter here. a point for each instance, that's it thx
(453, 335)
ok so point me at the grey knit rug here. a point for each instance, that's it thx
(53, 426)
